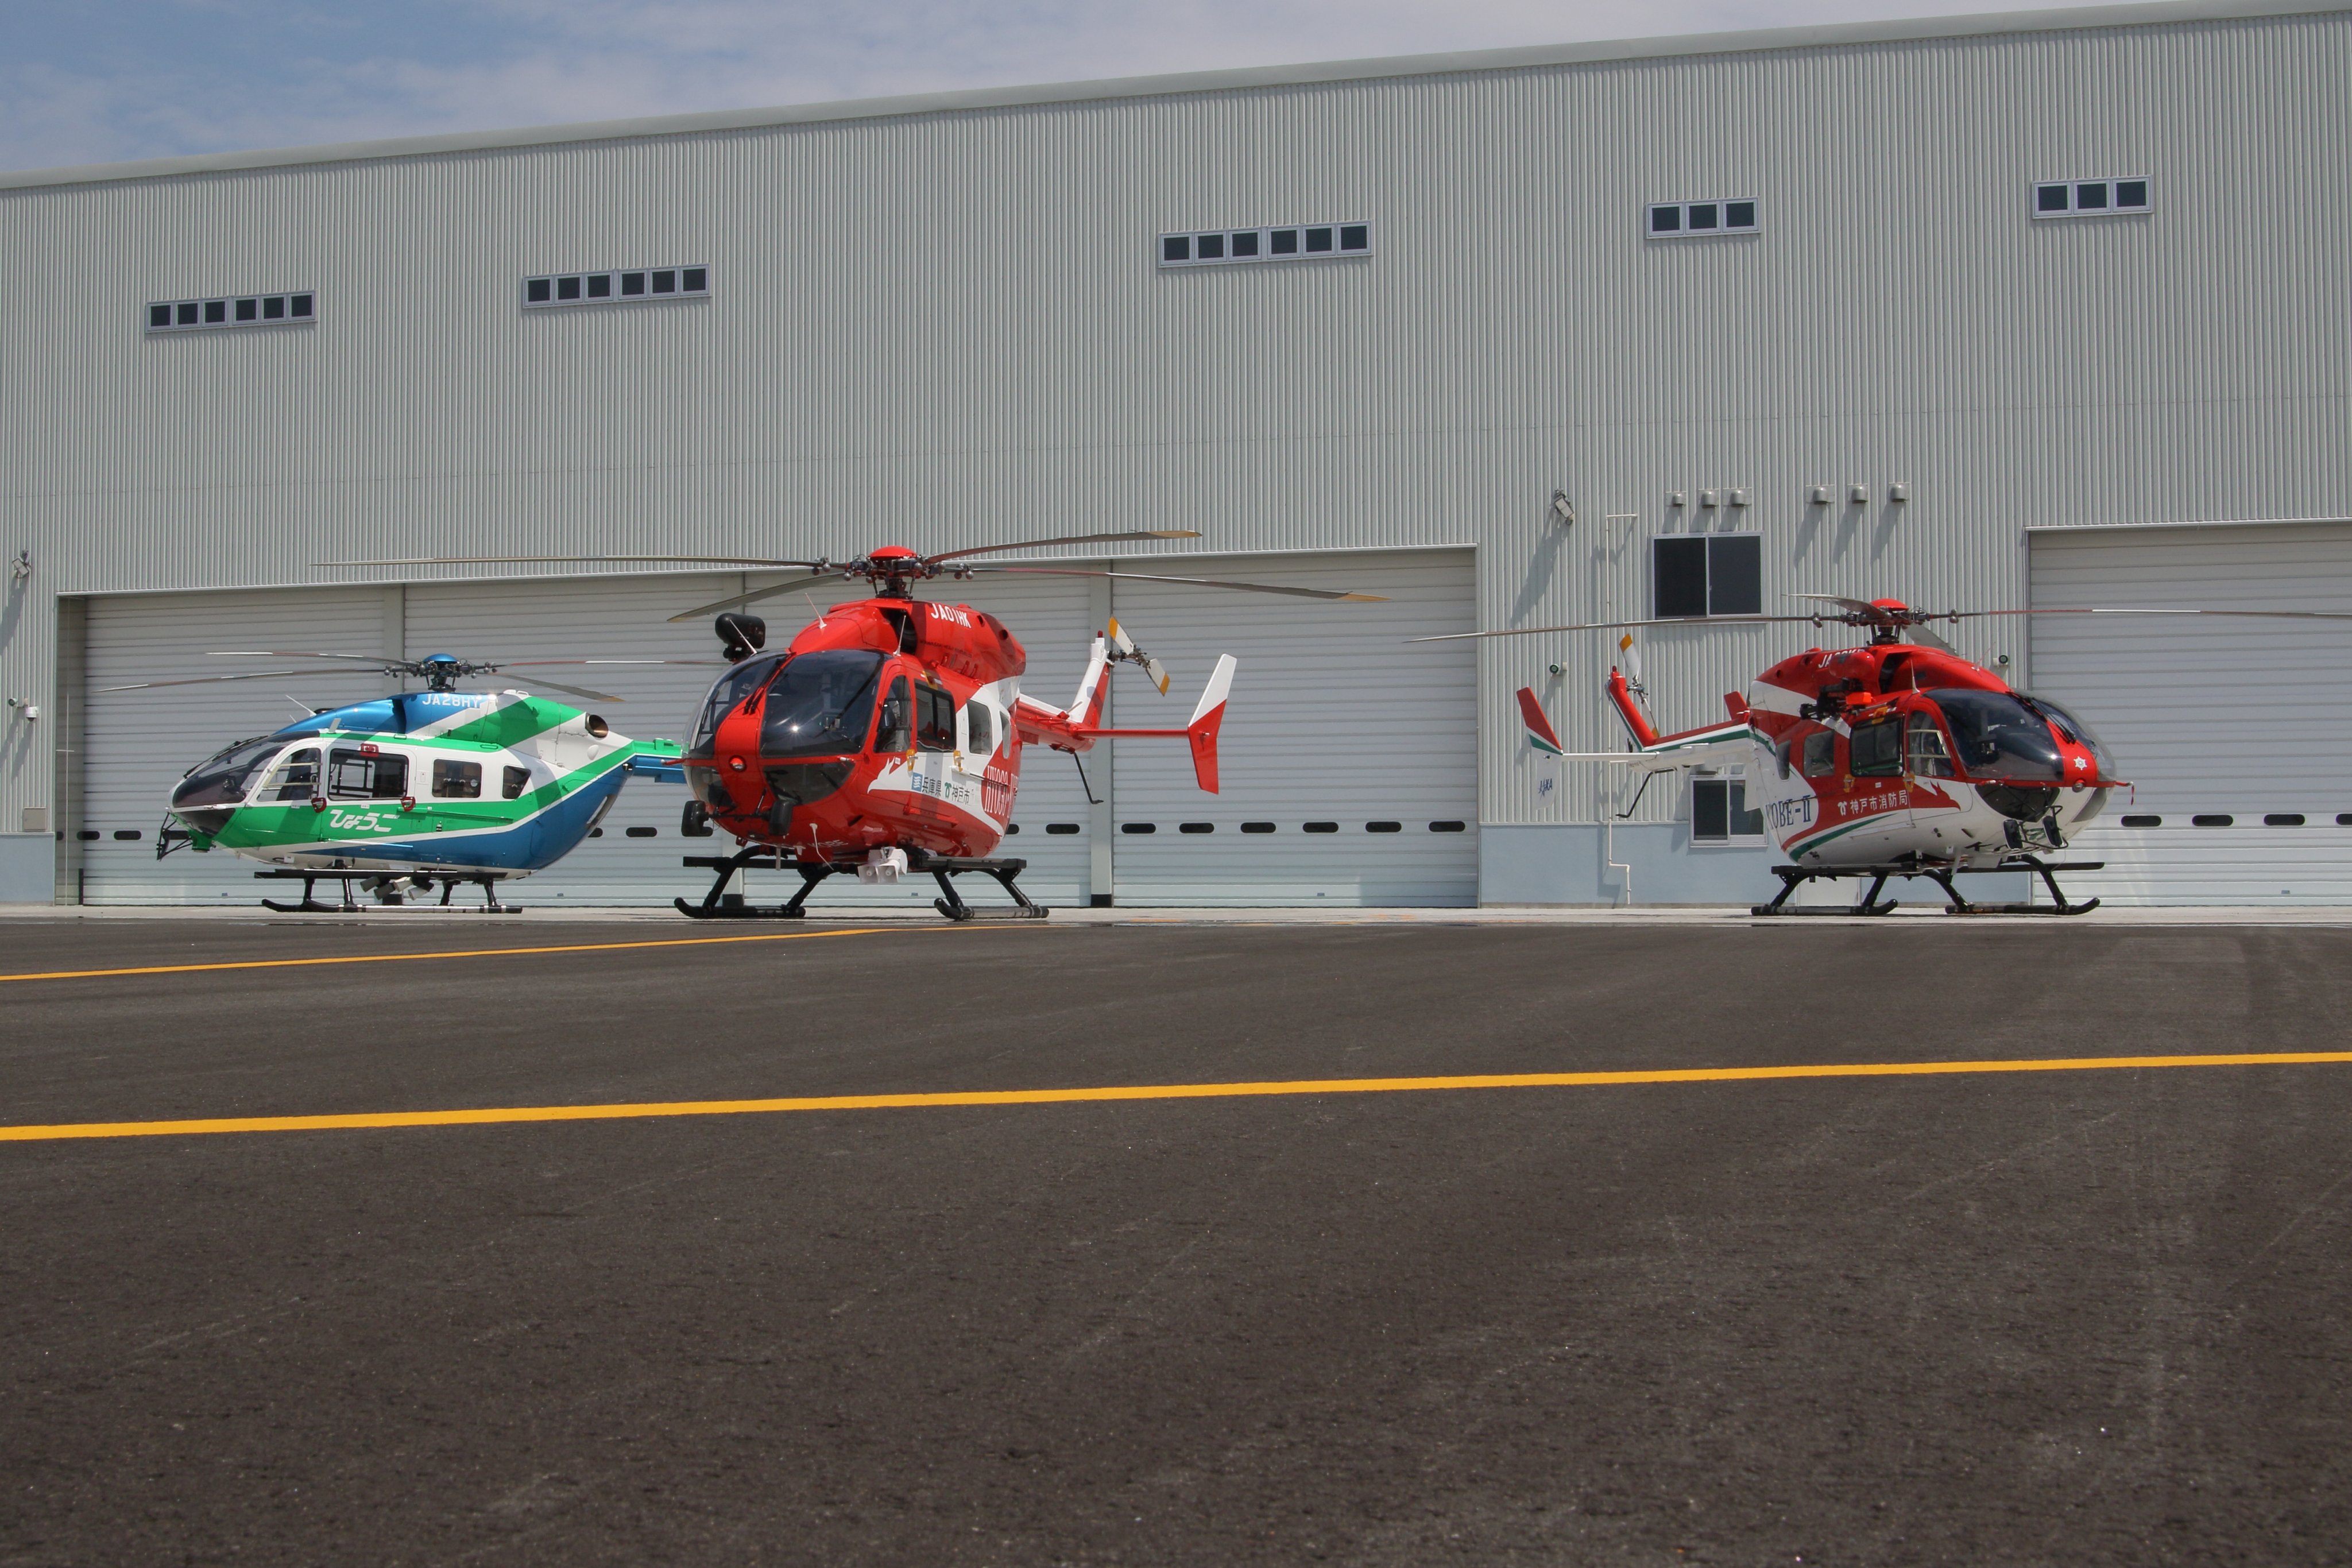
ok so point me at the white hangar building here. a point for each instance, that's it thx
(1985, 312)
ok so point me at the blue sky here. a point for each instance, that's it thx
(102, 80)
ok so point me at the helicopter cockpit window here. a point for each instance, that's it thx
(1821, 754)
(516, 781)
(819, 704)
(934, 719)
(729, 689)
(1998, 737)
(2075, 730)
(981, 722)
(455, 780)
(1877, 748)
(1925, 754)
(363, 775)
(896, 731)
(296, 777)
(222, 781)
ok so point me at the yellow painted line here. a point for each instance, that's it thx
(497, 1115)
(506, 952)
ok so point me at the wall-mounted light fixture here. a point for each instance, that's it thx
(1674, 498)
(1739, 498)
(1821, 495)
(22, 567)
(27, 711)
(1899, 492)
(1857, 492)
(1562, 507)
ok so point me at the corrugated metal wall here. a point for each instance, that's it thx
(944, 329)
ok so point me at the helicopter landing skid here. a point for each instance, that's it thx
(1794, 876)
(349, 905)
(720, 904)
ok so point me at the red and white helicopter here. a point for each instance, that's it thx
(888, 738)
(1896, 758)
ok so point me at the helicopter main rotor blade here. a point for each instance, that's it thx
(574, 691)
(752, 560)
(1189, 581)
(1067, 539)
(535, 663)
(2234, 614)
(736, 601)
(1624, 625)
(1856, 606)
(1927, 639)
(248, 675)
(289, 654)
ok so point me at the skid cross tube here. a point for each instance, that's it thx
(720, 904)
(1795, 876)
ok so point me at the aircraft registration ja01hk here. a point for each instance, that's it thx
(1891, 759)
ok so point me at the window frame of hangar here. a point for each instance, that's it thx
(614, 282)
(1732, 838)
(230, 312)
(1717, 207)
(1263, 242)
(2110, 187)
(1658, 542)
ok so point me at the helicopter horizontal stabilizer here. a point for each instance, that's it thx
(1716, 746)
(660, 769)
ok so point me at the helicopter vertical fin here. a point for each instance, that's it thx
(1542, 738)
(1208, 717)
(1085, 709)
(1621, 698)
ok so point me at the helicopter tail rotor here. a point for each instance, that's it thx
(1123, 648)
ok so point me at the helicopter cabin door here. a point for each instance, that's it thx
(361, 778)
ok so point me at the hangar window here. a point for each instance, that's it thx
(1693, 575)
(2090, 198)
(628, 287)
(1703, 220)
(1719, 813)
(232, 311)
(1282, 241)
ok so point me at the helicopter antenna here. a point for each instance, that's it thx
(811, 604)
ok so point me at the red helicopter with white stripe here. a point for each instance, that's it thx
(888, 738)
(1896, 758)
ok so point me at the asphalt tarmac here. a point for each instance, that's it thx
(2019, 1317)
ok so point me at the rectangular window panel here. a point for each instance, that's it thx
(1739, 214)
(1678, 577)
(2090, 198)
(219, 315)
(1710, 811)
(1703, 220)
(616, 288)
(454, 780)
(1702, 216)
(1735, 574)
(298, 306)
(1666, 220)
(1233, 247)
(1745, 823)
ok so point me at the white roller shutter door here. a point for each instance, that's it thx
(137, 745)
(2246, 724)
(1335, 722)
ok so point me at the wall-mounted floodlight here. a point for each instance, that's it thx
(1857, 493)
(1562, 507)
(1821, 495)
(1899, 492)
(22, 567)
